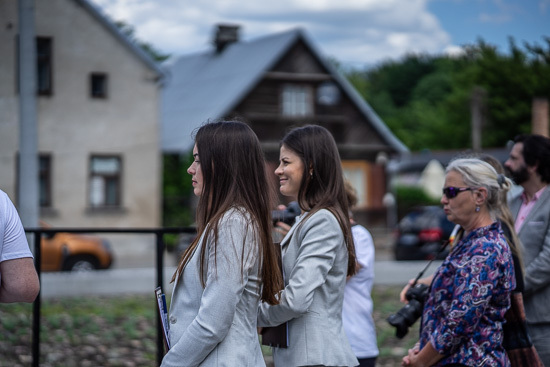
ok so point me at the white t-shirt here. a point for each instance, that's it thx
(14, 243)
(357, 310)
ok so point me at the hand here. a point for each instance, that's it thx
(282, 228)
(408, 359)
(426, 280)
(402, 297)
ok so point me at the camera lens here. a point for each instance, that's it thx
(407, 315)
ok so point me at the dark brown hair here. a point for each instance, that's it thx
(322, 185)
(536, 152)
(234, 176)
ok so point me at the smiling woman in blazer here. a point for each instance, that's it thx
(318, 253)
(232, 264)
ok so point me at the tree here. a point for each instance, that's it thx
(425, 100)
(129, 31)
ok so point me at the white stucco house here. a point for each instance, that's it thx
(97, 118)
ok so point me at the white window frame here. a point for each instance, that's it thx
(297, 100)
(105, 184)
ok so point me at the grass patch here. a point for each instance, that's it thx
(121, 331)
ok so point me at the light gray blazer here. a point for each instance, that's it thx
(315, 263)
(216, 325)
(535, 237)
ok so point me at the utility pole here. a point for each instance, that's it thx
(27, 190)
(476, 108)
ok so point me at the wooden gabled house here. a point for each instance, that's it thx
(274, 83)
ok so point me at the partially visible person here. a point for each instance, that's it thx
(529, 167)
(357, 310)
(18, 277)
(317, 253)
(507, 223)
(470, 292)
(231, 265)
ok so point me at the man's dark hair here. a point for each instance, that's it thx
(536, 151)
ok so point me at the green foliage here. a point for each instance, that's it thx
(129, 31)
(409, 197)
(121, 331)
(425, 100)
(82, 331)
(177, 190)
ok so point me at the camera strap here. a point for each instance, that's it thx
(455, 236)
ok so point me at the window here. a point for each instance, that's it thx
(44, 73)
(98, 85)
(45, 181)
(297, 100)
(357, 172)
(105, 181)
(328, 94)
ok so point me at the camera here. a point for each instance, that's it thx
(287, 215)
(406, 316)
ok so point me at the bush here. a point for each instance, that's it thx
(409, 197)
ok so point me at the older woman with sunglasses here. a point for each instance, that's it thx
(470, 292)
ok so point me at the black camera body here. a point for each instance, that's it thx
(407, 315)
(287, 215)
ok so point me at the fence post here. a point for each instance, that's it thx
(160, 283)
(37, 302)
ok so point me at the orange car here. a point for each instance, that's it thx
(74, 252)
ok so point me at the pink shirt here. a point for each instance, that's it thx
(526, 207)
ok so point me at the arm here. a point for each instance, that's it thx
(428, 356)
(19, 282)
(319, 240)
(18, 278)
(537, 272)
(225, 284)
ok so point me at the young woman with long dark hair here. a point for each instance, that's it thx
(232, 263)
(318, 253)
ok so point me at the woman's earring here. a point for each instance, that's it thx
(477, 209)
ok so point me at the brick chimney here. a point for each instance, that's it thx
(539, 117)
(225, 34)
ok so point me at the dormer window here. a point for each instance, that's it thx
(297, 100)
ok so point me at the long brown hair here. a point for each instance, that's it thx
(322, 185)
(234, 176)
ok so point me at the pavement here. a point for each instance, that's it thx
(137, 274)
(143, 280)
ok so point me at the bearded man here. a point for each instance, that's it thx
(529, 166)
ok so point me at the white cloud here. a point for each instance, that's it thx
(352, 31)
(454, 50)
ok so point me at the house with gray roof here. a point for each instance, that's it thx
(274, 83)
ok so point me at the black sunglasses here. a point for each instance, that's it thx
(451, 192)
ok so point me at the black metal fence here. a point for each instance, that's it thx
(160, 247)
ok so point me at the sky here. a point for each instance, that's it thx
(357, 33)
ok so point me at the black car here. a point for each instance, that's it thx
(421, 233)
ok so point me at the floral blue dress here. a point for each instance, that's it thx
(468, 298)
